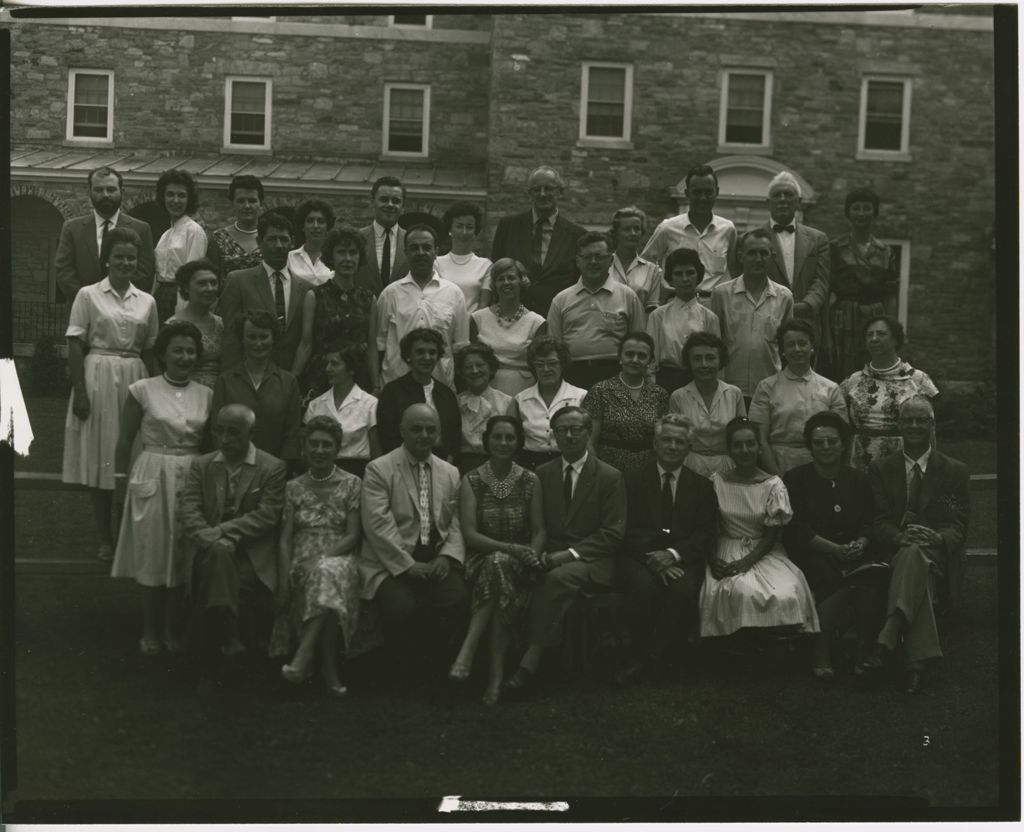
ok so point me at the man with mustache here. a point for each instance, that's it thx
(78, 252)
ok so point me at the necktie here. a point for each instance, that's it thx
(567, 487)
(666, 500)
(424, 503)
(103, 233)
(279, 309)
(777, 228)
(385, 259)
(914, 491)
(538, 243)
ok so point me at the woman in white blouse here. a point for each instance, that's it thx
(461, 266)
(475, 365)
(313, 219)
(350, 406)
(629, 226)
(184, 241)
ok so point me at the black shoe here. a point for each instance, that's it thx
(913, 681)
(519, 684)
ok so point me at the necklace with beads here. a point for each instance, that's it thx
(630, 386)
(315, 478)
(244, 231)
(507, 320)
(174, 383)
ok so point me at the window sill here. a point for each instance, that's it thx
(604, 143)
(745, 149)
(883, 156)
(245, 150)
(99, 144)
(403, 157)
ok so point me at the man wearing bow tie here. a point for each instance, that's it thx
(800, 256)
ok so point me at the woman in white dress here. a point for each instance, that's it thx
(185, 240)
(508, 327)
(464, 221)
(111, 330)
(750, 582)
(198, 287)
(313, 219)
(170, 411)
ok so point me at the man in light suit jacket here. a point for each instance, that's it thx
(229, 511)
(543, 239)
(412, 553)
(585, 518)
(78, 252)
(385, 240)
(921, 512)
(800, 257)
(268, 286)
(671, 531)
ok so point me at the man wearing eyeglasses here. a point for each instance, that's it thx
(585, 518)
(594, 314)
(542, 238)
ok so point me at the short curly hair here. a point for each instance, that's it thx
(324, 424)
(343, 233)
(178, 177)
(183, 276)
(827, 419)
(178, 329)
(303, 210)
(431, 336)
(504, 419)
(463, 209)
(640, 337)
(895, 328)
(705, 339)
(545, 345)
(862, 195)
(245, 182)
(794, 325)
(259, 318)
(118, 236)
(683, 257)
(476, 348)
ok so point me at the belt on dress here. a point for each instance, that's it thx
(117, 353)
(171, 450)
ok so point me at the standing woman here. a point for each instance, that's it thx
(318, 580)
(629, 227)
(183, 242)
(313, 219)
(874, 395)
(339, 312)
(111, 330)
(863, 281)
(708, 402)
(464, 221)
(624, 408)
(234, 246)
(198, 287)
(783, 402)
(508, 327)
(171, 411)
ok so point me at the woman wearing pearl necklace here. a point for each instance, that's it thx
(460, 265)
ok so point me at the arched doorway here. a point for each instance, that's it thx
(743, 189)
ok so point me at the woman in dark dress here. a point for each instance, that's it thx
(234, 246)
(828, 538)
(340, 313)
(502, 516)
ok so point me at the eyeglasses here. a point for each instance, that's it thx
(573, 430)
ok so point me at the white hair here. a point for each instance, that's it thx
(785, 178)
(546, 169)
(242, 412)
(917, 400)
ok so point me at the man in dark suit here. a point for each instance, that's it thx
(385, 240)
(78, 252)
(672, 525)
(542, 239)
(800, 257)
(229, 513)
(268, 286)
(921, 511)
(585, 518)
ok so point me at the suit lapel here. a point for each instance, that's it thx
(397, 256)
(778, 261)
(261, 283)
(88, 230)
(295, 299)
(557, 239)
(583, 488)
(930, 481)
(898, 472)
(799, 252)
(411, 481)
(245, 478)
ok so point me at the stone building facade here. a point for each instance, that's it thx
(622, 103)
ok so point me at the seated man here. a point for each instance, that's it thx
(412, 553)
(585, 518)
(421, 350)
(921, 512)
(230, 509)
(671, 529)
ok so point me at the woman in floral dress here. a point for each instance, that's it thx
(502, 517)
(320, 532)
(197, 286)
(625, 408)
(874, 394)
(234, 246)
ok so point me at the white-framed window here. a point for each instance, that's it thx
(606, 102)
(745, 111)
(884, 124)
(268, 19)
(247, 111)
(406, 119)
(417, 21)
(90, 105)
(901, 252)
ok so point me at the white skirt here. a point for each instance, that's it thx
(89, 446)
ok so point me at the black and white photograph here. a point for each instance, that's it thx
(490, 413)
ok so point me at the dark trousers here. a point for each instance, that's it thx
(660, 615)
(868, 591)
(551, 600)
(586, 372)
(227, 585)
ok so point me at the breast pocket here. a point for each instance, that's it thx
(614, 323)
(715, 259)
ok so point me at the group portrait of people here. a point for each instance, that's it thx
(293, 429)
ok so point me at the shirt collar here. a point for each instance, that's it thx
(283, 271)
(548, 221)
(378, 230)
(250, 456)
(130, 292)
(922, 460)
(685, 303)
(413, 462)
(354, 395)
(687, 222)
(793, 377)
(434, 278)
(740, 288)
(576, 466)
(662, 471)
(604, 287)
(111, 219)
